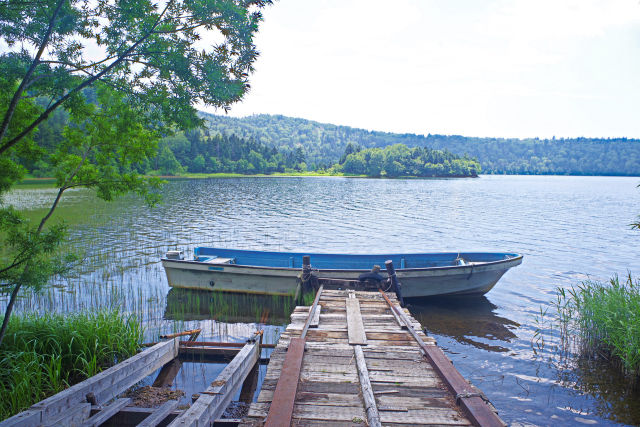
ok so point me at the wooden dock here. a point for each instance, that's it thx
(358, 358)
(354, 358)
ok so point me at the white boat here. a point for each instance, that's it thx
(279, 273)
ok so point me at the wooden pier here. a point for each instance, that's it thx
(357, 358)
(353, 358)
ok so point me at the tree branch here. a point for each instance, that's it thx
(43, 116)
(16, 96)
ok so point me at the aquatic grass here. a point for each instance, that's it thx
(603, 321)
(43, 354)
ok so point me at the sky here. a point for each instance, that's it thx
(499, 68)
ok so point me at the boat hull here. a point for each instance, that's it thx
(470, 279)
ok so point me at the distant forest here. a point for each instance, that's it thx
(264, 144)
(324, 144)
(206, 150)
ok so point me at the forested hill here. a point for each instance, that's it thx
(323, 144)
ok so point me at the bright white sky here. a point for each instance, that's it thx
(512, 68)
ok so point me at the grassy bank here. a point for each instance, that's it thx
(603, 321)
(43, 354)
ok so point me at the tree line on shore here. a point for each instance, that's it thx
(265, 144)
(324, 143)
(201, 150)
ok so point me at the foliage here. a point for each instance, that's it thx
(325, 143)
(45, 353)
(604, 320)
(124, 73)
(199, 151)
(399, 160)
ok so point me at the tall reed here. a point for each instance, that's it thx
(43, 354)
(603, 321)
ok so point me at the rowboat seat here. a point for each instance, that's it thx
(218, 260)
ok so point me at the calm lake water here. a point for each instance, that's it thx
(568, 228)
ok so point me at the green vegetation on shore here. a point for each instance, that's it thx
(199, 151)
(43, 354)
(324, 143)
(602, 321)
(400, 161)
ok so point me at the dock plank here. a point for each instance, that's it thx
(391, 377)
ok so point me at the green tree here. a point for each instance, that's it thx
(151, 68)
(198, 164)
(167, 162)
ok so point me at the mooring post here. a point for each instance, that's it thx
(306, 273)
(395, 284)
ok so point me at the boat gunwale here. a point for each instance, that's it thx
(399, 270)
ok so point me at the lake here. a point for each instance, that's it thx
(569, 229)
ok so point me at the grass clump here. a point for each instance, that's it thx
(604, 318)
(42, 354)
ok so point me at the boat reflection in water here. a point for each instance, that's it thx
(187, 304)
(467, 320)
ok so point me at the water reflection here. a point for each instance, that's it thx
(615, 394)
(187, 304)
(465, 319)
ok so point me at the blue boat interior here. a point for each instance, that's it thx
(345, 261)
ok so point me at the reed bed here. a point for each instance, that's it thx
(43, 354)
(602, 321)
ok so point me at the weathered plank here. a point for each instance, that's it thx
(373, 418)
(315, 320)
(105, 386)
(212, 403)
(335, 389)
(106, 412)
(354, 323)
(159, 414)
(71, 417)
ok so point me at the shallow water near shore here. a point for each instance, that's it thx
(568, 229)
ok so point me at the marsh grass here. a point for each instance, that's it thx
(601, 321)
(43, 354)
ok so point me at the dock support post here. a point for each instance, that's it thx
(395, 284)
(306, 273)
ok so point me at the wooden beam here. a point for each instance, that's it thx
(312, 312)
(212, 403)
(355, 327)
(192, 332)
(105, 386)
(315, 321)
(370, 407)
(106, 413)
(159, 414)
(73, 417)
